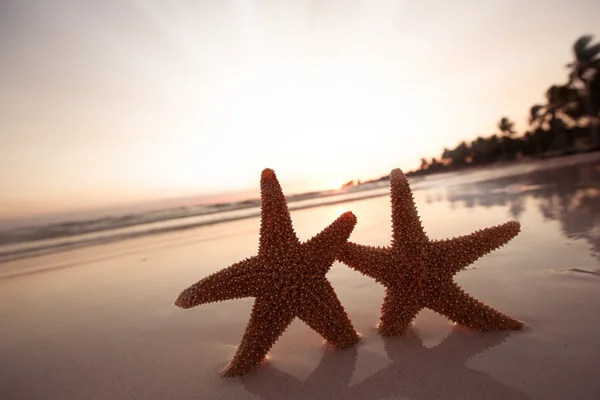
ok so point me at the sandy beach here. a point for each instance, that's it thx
(99, 322)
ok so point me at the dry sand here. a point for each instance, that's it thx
(99, 322)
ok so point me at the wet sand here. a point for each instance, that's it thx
(99, 322)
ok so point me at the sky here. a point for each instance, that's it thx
(116, 103)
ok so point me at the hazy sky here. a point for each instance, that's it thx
(114, 102)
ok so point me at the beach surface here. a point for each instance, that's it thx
(99, 322)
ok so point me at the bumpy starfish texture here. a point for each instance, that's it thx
(287, 278)
(417, 272)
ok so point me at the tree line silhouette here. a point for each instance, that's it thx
(568, 122)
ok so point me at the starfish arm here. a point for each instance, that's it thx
(399, 309)
(233, 282)
(276, 230)
(367, 260)
(406, 225)
(267, 323)
(461, 308)
(325, 246)
(323, 312)
(457, 253)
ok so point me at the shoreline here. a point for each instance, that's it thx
(211, 209)
(32, 248)
(16, 255)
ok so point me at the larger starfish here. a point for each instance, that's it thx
(417, 272)
(287, 278)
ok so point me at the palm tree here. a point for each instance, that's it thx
(494, 147)
(434, 165)
(594, 87)
(506, 128)
(480, 150)
(447, 156)
(536, 119)
(562, 101)
(584, 67)
(537, 114)
(461, 154)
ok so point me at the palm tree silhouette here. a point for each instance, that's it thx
(584, 67)
(561, 101)
(506, 128)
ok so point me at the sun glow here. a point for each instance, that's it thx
(283, 120)
(198, 98)
(340, 210)
(336, 184)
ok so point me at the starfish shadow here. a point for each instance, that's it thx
(418, 372)
(330, 379)
(415, 372)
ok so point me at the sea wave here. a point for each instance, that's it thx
(148, 225)
(34, 241)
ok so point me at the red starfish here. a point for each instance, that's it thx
(417, 272)
(287, 278)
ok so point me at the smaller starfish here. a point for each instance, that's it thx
(287, 278)
(417, 272)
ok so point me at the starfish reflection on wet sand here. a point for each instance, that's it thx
(417, 272)
(287, 278)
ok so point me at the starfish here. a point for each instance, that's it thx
(287, 278)
(417, 272)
